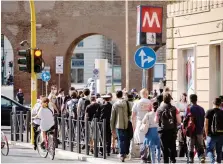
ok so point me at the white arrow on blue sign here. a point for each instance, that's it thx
(145, 57)
(46, 76)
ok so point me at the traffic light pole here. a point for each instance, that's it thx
(33, 74)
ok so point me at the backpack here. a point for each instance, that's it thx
(86, 103)
(189, 124)
(72, 108)
(168, 118)
(217, 125)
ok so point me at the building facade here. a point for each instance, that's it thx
(195, 49)
(85, 53)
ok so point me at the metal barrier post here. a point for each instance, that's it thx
(15, 123)
(104, 138)
(63, 131)
(95, 138)
(70, 133)
(86, 136)
(11, 124)
(21, 126)
(78, 136)
(28, 122)
(56, 131)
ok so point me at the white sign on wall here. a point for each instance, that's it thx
(59, 64)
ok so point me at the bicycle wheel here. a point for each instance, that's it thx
(51, 146)
(42, 152)
(4, 145)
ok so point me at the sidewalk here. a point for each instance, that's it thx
(113, 159)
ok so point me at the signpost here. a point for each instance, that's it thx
(46, 77)
(59, 66)
(95, 77)
(145, 58)
(149, 25)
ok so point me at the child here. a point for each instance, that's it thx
(46, 118)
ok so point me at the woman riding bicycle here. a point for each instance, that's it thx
(46, 116)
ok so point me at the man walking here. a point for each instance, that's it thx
(20, 96)
(167, 117)
(214, 131)
(195, 118)
(119, 122)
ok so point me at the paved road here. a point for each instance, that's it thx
(18, 154)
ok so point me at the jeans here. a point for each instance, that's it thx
(123, 142)
(196, 141)
(168, 145)
(214, 142)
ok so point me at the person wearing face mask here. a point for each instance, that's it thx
(52, 97)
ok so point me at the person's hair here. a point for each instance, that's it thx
(86, 91)
(61, 90)
(193, 98)
(167, 98)
(72, 88)
(144, 92)
(185, 99)
(93, 99)
(221, 97)
(119, 94)
(73, 95)
(130, 97)
(98, 95)
(53, 86)
(155, 106)
(217, 101)
(167, 89)
(45, 100)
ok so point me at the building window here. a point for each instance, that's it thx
(77, 68)
(80, 44)
(77, 60)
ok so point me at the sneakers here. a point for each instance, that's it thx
(202, 160)
(122, 159)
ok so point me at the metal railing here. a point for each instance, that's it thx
(72, 134)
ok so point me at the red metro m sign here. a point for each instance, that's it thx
(149, 25)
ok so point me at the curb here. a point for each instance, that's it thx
(72, 155)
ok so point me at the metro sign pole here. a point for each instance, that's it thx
(149, 33)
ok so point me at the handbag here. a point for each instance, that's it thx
(129, 128)
(144, 127)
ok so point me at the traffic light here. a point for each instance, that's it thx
(25, 61)
(38, 60)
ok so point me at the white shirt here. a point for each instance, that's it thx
(35, 111)
(150, 116)
(47, 118)
(141, 107)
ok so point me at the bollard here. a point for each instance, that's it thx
(86, 136)
(104, 138)
(15, 124)
(78, 136)
(21, 126)
(28, 122)
(63, 131)
(95, 138)
(11, 124)
(70, 133)
(56, 131)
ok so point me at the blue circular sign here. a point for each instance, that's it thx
(95, 71)
(46, 76)
(145, 57)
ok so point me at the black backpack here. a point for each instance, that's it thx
(168, 118)
(217, 125)
(86, 103)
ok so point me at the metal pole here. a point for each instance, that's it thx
(70, 133)
(33, 74)
(14, 123)
(127, 45)
(78, 136)
(63, 131)
(46, 88)
(86, 137)
(59, 81)
(104, 138)
(21, 126)
(11, 123)
(95, 138)
(27, 125)
(112, 55)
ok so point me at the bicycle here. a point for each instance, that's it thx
(4, 144)
(49, 145)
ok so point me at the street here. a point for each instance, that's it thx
(19, 154)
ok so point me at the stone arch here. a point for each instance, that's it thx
(67, 58)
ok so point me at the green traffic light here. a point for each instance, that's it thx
(22, 53)
(23, 68)
(22, 61)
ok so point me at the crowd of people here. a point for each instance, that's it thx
(142, 125)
